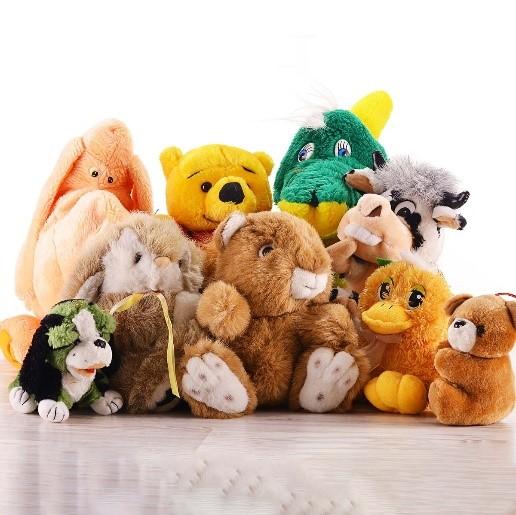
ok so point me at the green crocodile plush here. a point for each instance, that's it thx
(310, 180)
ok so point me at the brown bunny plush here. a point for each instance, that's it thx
(278, 339)
(476, 384)
(142, 254)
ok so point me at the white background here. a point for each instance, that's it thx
(192, 73)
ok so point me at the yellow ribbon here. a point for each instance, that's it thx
(132, 300)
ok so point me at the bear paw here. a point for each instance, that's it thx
(53, 411)
(209, 380)
(395, 392)
(21, 401)
(109, 403)
(329, 377)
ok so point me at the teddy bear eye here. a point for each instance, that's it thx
(266, 249)
(416, 298)
(110, 180)
(137, 258)
(480, 330)
(94, 172)
(206, 186)
(306, 152)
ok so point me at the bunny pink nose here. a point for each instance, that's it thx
(162, 261)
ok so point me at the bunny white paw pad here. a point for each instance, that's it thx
(210, 381)
(53, 411)
(21, 401)
(329, 377)
(109, 403)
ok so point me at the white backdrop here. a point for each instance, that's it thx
(191, 73)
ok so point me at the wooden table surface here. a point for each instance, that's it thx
(271, 462)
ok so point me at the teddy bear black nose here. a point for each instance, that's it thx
(100, 343)
(231, 192)
(459, 323)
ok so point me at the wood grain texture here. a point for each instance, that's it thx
(270, 462)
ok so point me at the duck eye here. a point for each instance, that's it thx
(306, 152)
(416, 298)
(266, 249)
(206, 186)
(385, 290)
(94, 172)
(137, 258)
(342, 148)
(110, 180)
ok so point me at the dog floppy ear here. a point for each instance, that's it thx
(227, 229)
(37, 377)
(455, 302)
(48, 197)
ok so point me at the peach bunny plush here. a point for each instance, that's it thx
(367, 232)
(96, 181)
(476, 383)
(277, 339)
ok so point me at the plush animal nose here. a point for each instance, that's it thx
(459, 323)
(314, 201)
(162, 261)
(377, 211)
(100, 343)
(232, 192)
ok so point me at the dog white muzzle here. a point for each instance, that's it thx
(307, 285)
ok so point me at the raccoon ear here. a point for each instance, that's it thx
(455, 302)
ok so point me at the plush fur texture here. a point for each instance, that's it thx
(96, 181)
(310, 181)
(141, 336)
(207, 183)
(266, 328)
(367, 232)
(476, 383)
(423, 196)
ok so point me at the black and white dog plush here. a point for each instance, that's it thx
(424, 197)
(64, 365)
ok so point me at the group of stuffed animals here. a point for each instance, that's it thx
(230, 305)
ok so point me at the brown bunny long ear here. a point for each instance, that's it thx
(227, 229)
(47, 199)
(142, 191)
(455, 302)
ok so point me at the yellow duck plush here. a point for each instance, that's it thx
(207, 183)
(403, 305)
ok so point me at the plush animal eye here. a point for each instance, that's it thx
(306, 152)
(266, 249)
(137, 258)
(110, 180)
(206, 186)
(342, 148)
(405, 208)
(94, 172)
(481, 329)
(416, 298)
(385, 290)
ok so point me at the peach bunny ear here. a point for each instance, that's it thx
(142, 191)
(48, 197)
(454, 302)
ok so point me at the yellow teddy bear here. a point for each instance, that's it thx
(207, 183)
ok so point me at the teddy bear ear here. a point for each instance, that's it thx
(266, 161)
(227, 228)
(169, 158)
(511, 306)
(454, 302)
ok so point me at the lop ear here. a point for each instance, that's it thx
(142, 191)
(169, 159)
(266, 161)
(511, 306)
(227, 229)
(91, 288)
(374, 111)
(455, 302)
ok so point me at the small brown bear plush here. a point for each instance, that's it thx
(278, 338)
(476, 386)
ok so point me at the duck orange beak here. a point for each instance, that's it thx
(386, 318)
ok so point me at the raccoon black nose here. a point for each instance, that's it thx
(232, 192)
(459, 323)
(100, 343)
